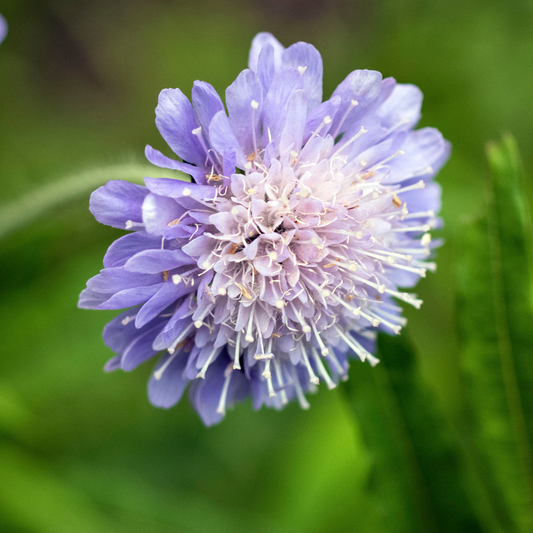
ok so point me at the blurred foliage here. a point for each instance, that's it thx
(496, 316)
(84, 451)
(417, 482)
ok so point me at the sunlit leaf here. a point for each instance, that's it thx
(417, 484)
(496, 319)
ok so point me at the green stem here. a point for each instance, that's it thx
(32, 206)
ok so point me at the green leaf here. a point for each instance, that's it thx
(496, 323)
(37, 203)
(417, 483)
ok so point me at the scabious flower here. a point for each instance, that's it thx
(284, 255)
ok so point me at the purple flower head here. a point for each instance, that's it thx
(286, 252)
(3, 28)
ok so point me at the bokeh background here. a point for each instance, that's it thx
(83, 451)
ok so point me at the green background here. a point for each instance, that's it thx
(84, 451)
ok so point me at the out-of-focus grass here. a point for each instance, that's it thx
(79, 84)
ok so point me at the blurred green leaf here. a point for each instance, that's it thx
(496, 322)
(38, 202)
(416, 483)
(14, 415)
(34, 499)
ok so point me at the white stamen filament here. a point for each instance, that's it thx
(221, 409)
(279, 377)
(425, 227)
(202, 372)
(304, 404)
(338, 368)
(158, 374)
(312, 376)
(372, 319)
(305, 327)
(324, 350)
(236, 358)
(353, 103)
(420, 214)
(249, 337)
(362, 131)
(180, 337)
(322, 369)
(267, 374)
(353, 344)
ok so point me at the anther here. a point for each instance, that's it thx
(301, 70)
(254, 104)
(426, 239)
(130, 224)
(176, 279)
(266, 372)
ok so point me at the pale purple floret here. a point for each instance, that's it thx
(282, 257)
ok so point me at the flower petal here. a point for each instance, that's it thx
(422, 148)
(118, 202)
(402, 107)
(206, 103)
(130, 297)
(244, 98)
(157, 158)
(307, 60)
(168, 389)
(263, 39)
(284, 85)
(293, 130)
(175, 120)
(111, 280)
(316, 119)
(155, 261)
(127, 246)
(223, 139)
(158, 211)
(179, 189)
(165, 296)
(361, 86)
